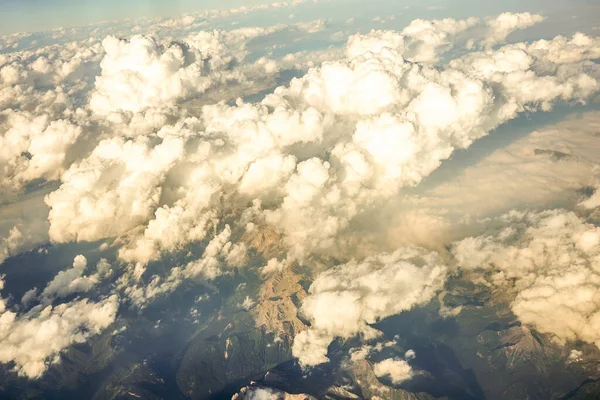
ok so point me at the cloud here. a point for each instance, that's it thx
(23, 225)
(33, 341)
(264, 393)
(71, 281)
(420, 41)
(593, 201)
(11, 243)
(339, 141)
(544, 168)
(397, 370)
(117, 182)
(33, 148)
(140, 72)
(548, 262)
(366, 350)
(345, 300)
(504, 24)
(425, 41)
(219, 254)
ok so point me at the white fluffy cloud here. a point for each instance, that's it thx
(426, 41)
(140, 72)
(550, 262)
(503, 25)
(23, 225)
(317, 154)
(396, 370)
(69, 281)
(345, 300)
(264, 393)
(593, 201)
(34, 340)
(11, 243)
(33, 147)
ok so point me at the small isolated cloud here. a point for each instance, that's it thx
(503, 25)
(397, 371)
(264, 393)
(273, 266)
(69, 281)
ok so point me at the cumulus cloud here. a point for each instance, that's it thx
(33, 148)
(345, 300)
(593, 201)
(69, 281)
(421, 41)
(426, 41)
(142, 72)
(11, 243)
(313, 156)
(119, 181)
(273, 266)
(33, 341)
(366, 350)
(503, 25)
(549, 262)
(397, 371)
(23, 225)
(264, 393)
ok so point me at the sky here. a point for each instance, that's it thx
(40, 15)
(37, 15)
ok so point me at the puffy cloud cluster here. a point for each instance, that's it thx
(345, 300)
(40, 120)
(426, 41)
(33, 147)
(366, 350)
(551, 262)
(343, 138)
(62, 68)
(141, 72)
(34, 340)
(401, 132)
(264, 393)
(119, 181)
(593, 201)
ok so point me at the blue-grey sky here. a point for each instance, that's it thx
(40, 15)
